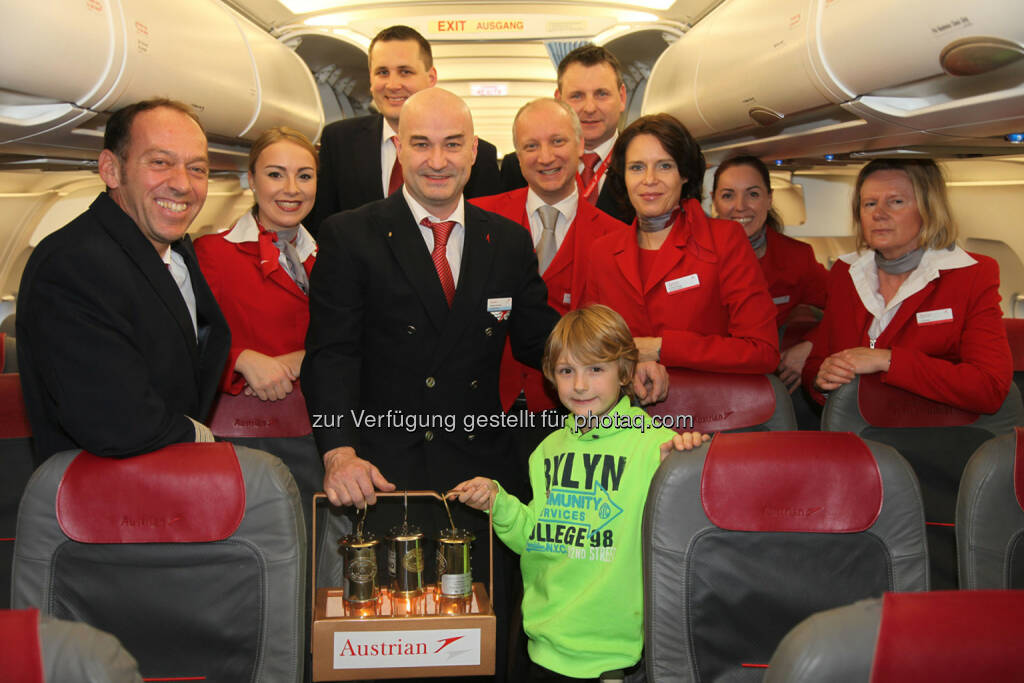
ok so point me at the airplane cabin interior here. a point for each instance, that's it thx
(813, 88)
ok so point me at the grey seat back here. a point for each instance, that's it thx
(939, 637)
(35, 648)
(990, 515)
(751, 533)
(15, 468)
(282, 428)
(193, 556)
(936, 439)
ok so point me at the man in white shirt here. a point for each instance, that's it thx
(549, 141)
(121, 342)
(411, 301)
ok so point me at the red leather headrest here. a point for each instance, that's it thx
(825, 482)
(1015, 335)
(184, 493)
(717, 400)
(20, 656)
(247, 416)
(13, 418)
(948, 636)
(882, 405)
(1018, 466)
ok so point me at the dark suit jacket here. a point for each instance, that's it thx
(350, 171)
(383, 340)
(108, 355)
(512, 179)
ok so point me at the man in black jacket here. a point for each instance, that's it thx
(358, 159)
(121, 342)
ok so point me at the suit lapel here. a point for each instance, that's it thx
(214, 336)
(908, 307)
(406, 243)
(474, 271)
(627, 258)
(366, 167)
(567, 249)
(141, 252)
(270, 266)
(669, 256)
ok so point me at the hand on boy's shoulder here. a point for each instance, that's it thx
(478, 493)
(686, 441)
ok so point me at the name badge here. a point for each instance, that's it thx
(682, 283)
(939, 315)
(567, 298)
(499, 307)
(779, 300)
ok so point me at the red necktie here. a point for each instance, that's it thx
(589, 160)
(442, 231)
(396, 180)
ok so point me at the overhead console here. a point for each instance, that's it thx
(809, 78)
(65, 65)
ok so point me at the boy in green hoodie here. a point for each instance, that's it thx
(579, 538)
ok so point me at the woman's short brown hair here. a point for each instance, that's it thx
(938, 230)
(676, 140)
(595, 334)
(280, 134)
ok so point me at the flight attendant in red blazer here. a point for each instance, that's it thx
(742, 192)
(259, 268)
(911, 304)
(549, 141)
(689, 286)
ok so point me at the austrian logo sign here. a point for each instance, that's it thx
(393, 649)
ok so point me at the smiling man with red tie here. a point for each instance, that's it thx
(411, 301)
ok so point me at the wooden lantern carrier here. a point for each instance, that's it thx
(387, 645)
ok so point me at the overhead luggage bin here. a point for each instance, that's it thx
(57, 78)
(805, 77)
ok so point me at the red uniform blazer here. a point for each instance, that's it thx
(794, 276)
(964, 362)
(565, 278)
(706, 296)
(266, 310)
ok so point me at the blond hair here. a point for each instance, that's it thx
(280, 134)
(938, 230)
(595, 334)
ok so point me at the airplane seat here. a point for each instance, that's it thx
(7, 324)
(1015, 335)
(936, 439)
(16, 467)
(940, 637)
(751, 533)
(800, 322)
(35, 648)
(8, 353)
(990, 515)
(192, 556)
(282, 428)
(725, 402)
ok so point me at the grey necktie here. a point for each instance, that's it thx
(293, 264)
(548, 246)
